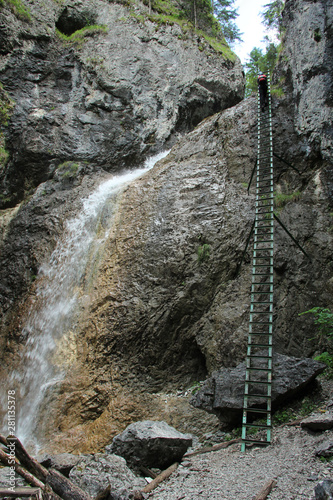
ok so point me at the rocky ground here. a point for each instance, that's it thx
(229, 474)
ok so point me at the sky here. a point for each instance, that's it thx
(249, 23)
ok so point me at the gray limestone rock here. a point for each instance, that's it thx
(324, 490)
(94, 473)
(150, 444)
(325, 449)
(62, 462)
(223, 392)
(319, 421)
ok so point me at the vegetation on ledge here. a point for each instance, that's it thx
(18, 9)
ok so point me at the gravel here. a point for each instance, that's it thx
(229, 474)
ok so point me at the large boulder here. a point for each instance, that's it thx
(94, 473)
(223, 392)
(150, 444)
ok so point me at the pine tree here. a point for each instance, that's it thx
(272, 15)
(226, 14)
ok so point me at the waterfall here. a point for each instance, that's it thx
(55, 310)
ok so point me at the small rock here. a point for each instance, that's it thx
(325, 449)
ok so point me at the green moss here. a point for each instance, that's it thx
(78, 36)
(277, 91)
(280, 200)
(203, 253)
(68, 170)
(17, 8)
(6, 108)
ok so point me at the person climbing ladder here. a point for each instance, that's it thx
(262, 84)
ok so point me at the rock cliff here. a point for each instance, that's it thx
(166, 306)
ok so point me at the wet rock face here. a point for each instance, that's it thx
(112, 97)
(167, 307)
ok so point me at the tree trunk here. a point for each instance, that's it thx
(64, 487)
(20, 491)
(26, 460)
(263, 494)
(155, 482)
(6, 460)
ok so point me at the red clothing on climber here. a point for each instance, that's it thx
(262, 84)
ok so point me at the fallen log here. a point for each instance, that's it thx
(26, 460)
(3, 440)
(161, 477)
(265, 491)
(64, 487)
(216, 447)
(8, 461)
(21, 491)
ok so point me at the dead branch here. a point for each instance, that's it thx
(26, 460)
(161, 477)
(265, 491)
(20, 491)
(64, 487)
(216, 447)
(8, 461)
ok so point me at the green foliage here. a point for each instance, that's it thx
(283, 416)
(280, 199)
(272, 15)
(68, 170)
(78, 36)
(327, 359)
(317, 35)
(6, 108)
(203, 253)
(17, 8)
(226, 14)
(194, 388)
(259, 61)
(323, 319)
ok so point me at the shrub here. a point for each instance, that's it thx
(203, 253)
(323, 319)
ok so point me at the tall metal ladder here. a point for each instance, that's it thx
(258, 375)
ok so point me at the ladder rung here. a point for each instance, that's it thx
(260, 426)
(266, 382)
(253, 369)
(256, 410)
(261, 345)
(258, 396)
(254, 441)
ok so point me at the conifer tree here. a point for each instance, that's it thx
(226, 13)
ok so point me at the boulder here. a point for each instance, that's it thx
(223, 392)
(150, 444)
(319, 421)
(94, 473)
(324, 490)
(62, 462)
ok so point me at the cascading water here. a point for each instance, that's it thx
(55, 309)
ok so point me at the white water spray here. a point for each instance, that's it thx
(55, 309)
